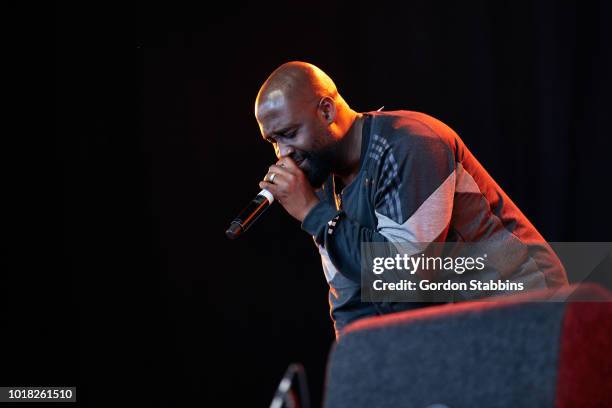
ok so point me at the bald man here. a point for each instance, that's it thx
(389, 177)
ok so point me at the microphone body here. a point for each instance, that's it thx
(249, 214)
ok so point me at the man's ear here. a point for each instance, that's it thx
(327, 109)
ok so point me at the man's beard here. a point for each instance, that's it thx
(318, 171)
(317, 166)
(319, 162)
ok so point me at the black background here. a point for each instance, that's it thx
(127, 274)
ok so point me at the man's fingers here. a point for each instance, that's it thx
(288, 163)
(284, 174)
(278, 176)
(268, 186)
(278, 170)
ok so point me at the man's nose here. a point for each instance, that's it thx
(284, 150)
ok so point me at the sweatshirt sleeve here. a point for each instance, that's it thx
(412, 188)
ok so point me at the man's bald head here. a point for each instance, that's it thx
(298, 81)
(299, 110)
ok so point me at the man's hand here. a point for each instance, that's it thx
(290, 187)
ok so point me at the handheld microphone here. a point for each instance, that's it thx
(249, 214)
